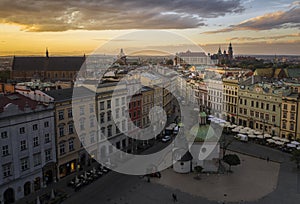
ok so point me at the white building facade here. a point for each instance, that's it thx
(27, 145)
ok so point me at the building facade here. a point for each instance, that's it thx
(230, 98)
(28, 153)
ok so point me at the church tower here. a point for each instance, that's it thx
(230, 52)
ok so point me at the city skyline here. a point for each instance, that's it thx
(75, 28)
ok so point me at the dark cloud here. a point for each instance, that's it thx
(277, 37)
(62, 15)
(276, 20)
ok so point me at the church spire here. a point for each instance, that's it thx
(47, 53)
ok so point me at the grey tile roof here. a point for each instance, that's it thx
(47, 64)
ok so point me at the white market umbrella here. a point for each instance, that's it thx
(284, 140)
(267, 135)
(260, 136)
(52, 196)
(291, 145)
(298, 148)
(233, 126)
(247, 128)
(295, 143)
(257, 132)
(252, 136)
(270, 141)
(243, 131)
(235, 130)
(279, 143)
(276, 138)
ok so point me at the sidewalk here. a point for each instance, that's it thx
(61, 186)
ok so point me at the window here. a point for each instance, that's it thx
(109, 131)
(252, 103)
(36, 141)
(48, 154)
(92, 122)
(292, 116)
(245, 102)
(261, 116)
(274, 108)
(71, 145)
(117, 113)
(245, 111)
(23, 145)
(241, 110)
(256, 114)
(24, 164)
(61, 115)
(81, 121)
(273, 118)
(109, 116)
(283, 125)
(102, 115)
(123, 100)
(251, 113)
(6, 169)
(292, 126)
(267, 106)
(62, 149)
(34, 127)
(92, 138)
(4, 135)
(267, 117)
(123, 112)
(284, 106)
(117, 128)
(102, 132)
(102, 105)
(71, 128)
(36, 159)
(262, 105)
(22, 130)
(91, 108)
(241, 101)
(5, 151)
(109, 104)
(61, 131)
(284, 115)
(293, 108)
(117, 102)
(47, 138)
(46, 124)
(81, 110)
(256, 104)
(70, 113)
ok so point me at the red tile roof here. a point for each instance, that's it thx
(18, 100)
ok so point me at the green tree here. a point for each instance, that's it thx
(232, 160)
(296, 157)
(198, 170)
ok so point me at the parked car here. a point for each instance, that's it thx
(166, 138)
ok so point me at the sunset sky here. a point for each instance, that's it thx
(73, 27)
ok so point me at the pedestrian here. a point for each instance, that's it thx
(148, 179)
(174, 197)
(268, 159)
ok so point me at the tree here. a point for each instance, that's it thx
(296, 157)
(232, 160)
(198, 170)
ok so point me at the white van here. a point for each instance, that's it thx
(241, 137)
